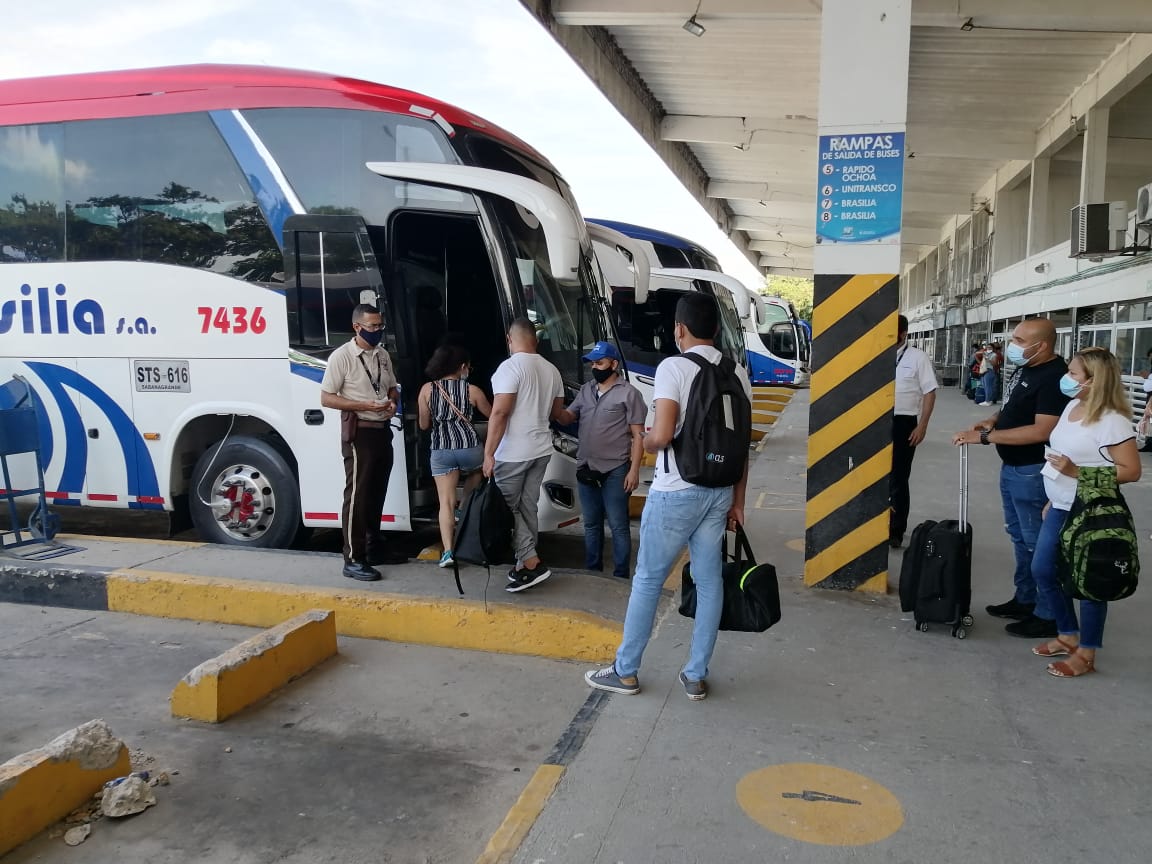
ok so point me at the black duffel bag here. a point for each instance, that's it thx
(751, 592)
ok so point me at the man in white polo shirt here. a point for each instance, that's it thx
(679, 513)
(915, 399)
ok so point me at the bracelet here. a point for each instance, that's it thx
(984, 436)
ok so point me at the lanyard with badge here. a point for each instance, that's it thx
(379, 374)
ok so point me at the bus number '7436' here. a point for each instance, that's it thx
(241, 320)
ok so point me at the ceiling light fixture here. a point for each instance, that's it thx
(692, 25)
(967, 26)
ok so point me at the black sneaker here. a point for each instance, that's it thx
(1032, 628)
(1011, 609)
(528, 577)
(362, 572)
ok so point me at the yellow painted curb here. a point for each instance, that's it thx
(431, 553)
(180, 544)
(758, 434)
(636, 506)
(43, 786)
(246, 673)
(764, 418)
(503, 628)
(781, 400)
(520, 819)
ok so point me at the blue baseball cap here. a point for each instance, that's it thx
(601, 350)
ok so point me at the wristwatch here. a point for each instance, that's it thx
(984, 436)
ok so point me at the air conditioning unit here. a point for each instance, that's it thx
(1098, 229)
(1144, 207)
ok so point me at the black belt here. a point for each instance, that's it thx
(373, 424)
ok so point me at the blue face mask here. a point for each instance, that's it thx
(372, 337)
(1070, 387)
(1016, 354)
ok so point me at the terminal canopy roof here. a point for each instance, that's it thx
(992, 84)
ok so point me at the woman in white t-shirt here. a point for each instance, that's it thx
(1094, 430)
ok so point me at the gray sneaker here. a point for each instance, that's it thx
(694, 690)
(607, 679)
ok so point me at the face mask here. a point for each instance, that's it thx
(372, 337)
(1070, 387)
(602, 375)
(1016, 354)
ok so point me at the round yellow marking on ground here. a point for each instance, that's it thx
(820, 804)
(796, 545)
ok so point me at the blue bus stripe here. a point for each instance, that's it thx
(271, 197)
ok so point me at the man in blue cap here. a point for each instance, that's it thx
(611, 414)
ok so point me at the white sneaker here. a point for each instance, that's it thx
(984, 404)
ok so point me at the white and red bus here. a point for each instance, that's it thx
(181, 249)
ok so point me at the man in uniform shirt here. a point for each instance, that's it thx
(611, 414)
(359, 379)
(915, 400)
(1032, 406)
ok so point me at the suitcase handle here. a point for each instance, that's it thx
(963, 489)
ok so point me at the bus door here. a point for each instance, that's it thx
(442, 286)
(329, 268)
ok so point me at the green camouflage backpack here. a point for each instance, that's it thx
(1099, 555)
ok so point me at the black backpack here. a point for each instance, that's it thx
(712, 446)
(484, 535)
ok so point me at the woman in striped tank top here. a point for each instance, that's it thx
(447, 404)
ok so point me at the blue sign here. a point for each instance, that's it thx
(860, 188)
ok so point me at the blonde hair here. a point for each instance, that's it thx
(1106, 392)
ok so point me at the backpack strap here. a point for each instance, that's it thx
(456, 573)
(701, 363)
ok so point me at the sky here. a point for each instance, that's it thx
(489, 57)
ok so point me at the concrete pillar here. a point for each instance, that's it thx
(1094, 170)
(862, 115)
(1038, 217)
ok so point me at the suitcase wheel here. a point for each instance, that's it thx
(922, 626)
(960, 632)
(967, 620)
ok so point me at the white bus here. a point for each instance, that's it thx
(182, 248)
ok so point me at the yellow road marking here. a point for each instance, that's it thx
(523, 815)
(766, 797)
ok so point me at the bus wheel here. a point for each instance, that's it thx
(245, 495)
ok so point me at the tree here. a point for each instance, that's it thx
(794, 288)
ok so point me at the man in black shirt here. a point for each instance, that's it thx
(1032, 405)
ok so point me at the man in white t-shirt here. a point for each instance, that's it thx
(679, 513)
(915, 399)
(527, 393)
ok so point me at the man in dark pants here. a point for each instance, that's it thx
(915, 400)
(1032, 406)
(359, 379)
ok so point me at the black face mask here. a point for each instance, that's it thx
(372, 337)
(602, 375)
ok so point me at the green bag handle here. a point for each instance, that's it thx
(742, 554)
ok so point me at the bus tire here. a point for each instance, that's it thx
(245, 495)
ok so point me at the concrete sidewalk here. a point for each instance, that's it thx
(958, 751)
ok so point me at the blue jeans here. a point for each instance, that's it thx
(1060, 606)
(989, 380)
(1022, 492)
(609, 500)
(696, 517)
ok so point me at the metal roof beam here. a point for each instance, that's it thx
(784, 269)
(631, 13)
(1109, 16)
(737, 131)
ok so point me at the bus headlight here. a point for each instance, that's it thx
(565, 444)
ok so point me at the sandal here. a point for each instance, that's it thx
(1064, 649)
(1065, 669)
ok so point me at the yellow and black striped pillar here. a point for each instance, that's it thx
(850, 432)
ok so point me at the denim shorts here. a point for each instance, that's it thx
(466, 459)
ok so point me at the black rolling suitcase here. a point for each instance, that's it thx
(936, 573)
